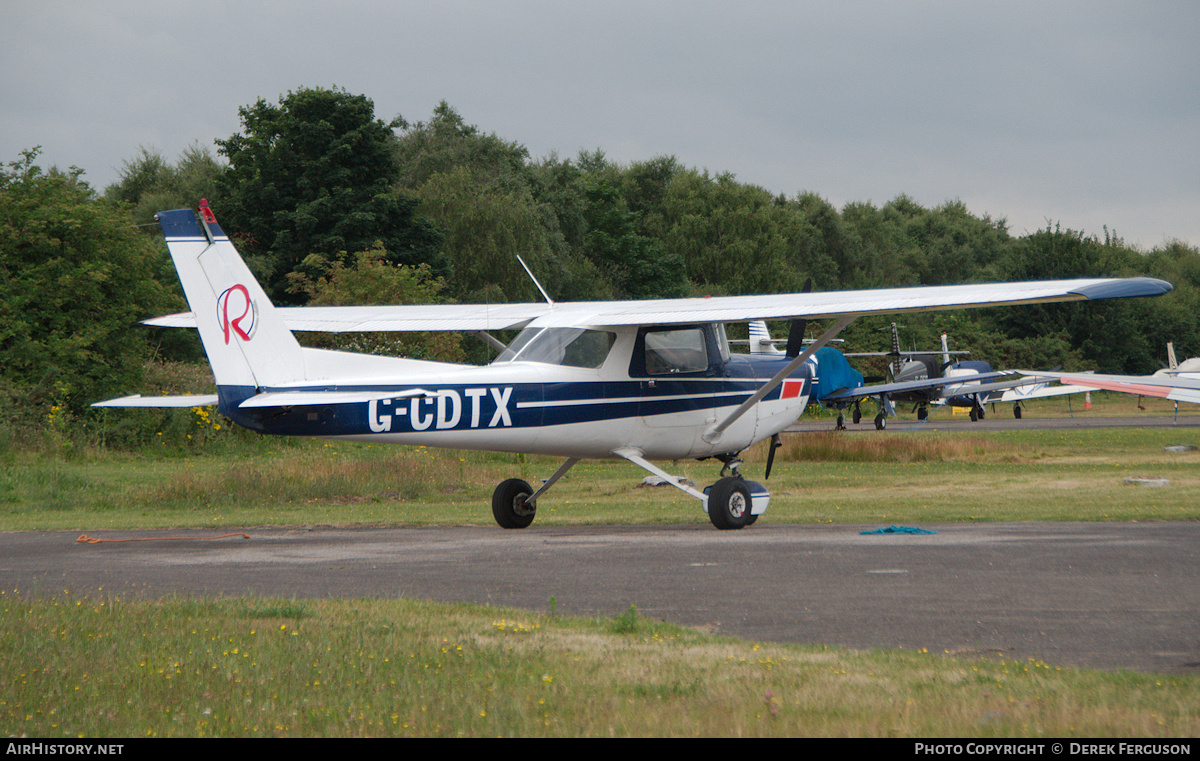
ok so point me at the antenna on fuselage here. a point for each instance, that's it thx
(529, 272)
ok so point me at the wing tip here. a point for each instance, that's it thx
(1124, 288)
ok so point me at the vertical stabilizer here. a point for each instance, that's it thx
(760, 339)
(246, 341)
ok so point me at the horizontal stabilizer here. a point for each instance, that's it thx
(137, 400)
(311, 398)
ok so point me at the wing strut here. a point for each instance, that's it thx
(713, 434)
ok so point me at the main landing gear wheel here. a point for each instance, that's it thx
(510, 505)
(880, 422)
(729, 503)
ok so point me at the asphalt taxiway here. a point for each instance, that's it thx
(1108, 595)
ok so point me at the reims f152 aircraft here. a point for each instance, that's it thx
(642, 381)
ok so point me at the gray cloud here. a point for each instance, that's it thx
(1084, 113)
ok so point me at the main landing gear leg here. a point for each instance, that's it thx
(514, 503)
(730, 502)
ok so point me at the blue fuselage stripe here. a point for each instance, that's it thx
(483, 406)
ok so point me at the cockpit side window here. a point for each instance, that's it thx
(675, 350)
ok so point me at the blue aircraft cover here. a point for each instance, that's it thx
(834, 373)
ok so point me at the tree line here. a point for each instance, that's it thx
(331, 204)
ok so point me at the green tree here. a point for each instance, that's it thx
(487, 228)
(1113, 336)
(494, 206)
(317, 174)
(150, 184)
(75, 278)
(1178, 313)
(368, 277)
(446, 142)
(878, 247)
(635, 264)
(560, 193)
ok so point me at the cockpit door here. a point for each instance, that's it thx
(678, 369)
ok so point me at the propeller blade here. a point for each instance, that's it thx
(795, 343)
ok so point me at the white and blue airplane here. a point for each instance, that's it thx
(1178, 382)
(642, 381)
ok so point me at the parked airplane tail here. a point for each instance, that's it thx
(247, 342)
(760, 339)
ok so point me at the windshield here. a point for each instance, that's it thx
(573, 347)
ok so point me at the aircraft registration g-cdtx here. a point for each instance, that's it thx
(643, 381)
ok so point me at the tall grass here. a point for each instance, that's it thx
(855, 478)
(833, 446)
(324, 472)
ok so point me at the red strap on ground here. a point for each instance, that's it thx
(85, 539)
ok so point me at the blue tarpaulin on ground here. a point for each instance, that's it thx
(899, 530)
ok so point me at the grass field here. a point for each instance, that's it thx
(101, 666)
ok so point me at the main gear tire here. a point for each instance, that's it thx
(729, 503)
(510, 504)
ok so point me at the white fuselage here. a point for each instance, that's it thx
(547, 407)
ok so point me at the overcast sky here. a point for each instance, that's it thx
(1083, 114)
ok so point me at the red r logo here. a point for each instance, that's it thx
(240, 324)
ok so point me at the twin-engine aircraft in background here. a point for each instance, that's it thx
(642, 381)
(918, 377)
(935, 378)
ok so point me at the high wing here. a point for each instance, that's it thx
(1175, 388)
(717, 309)
(395, 318)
